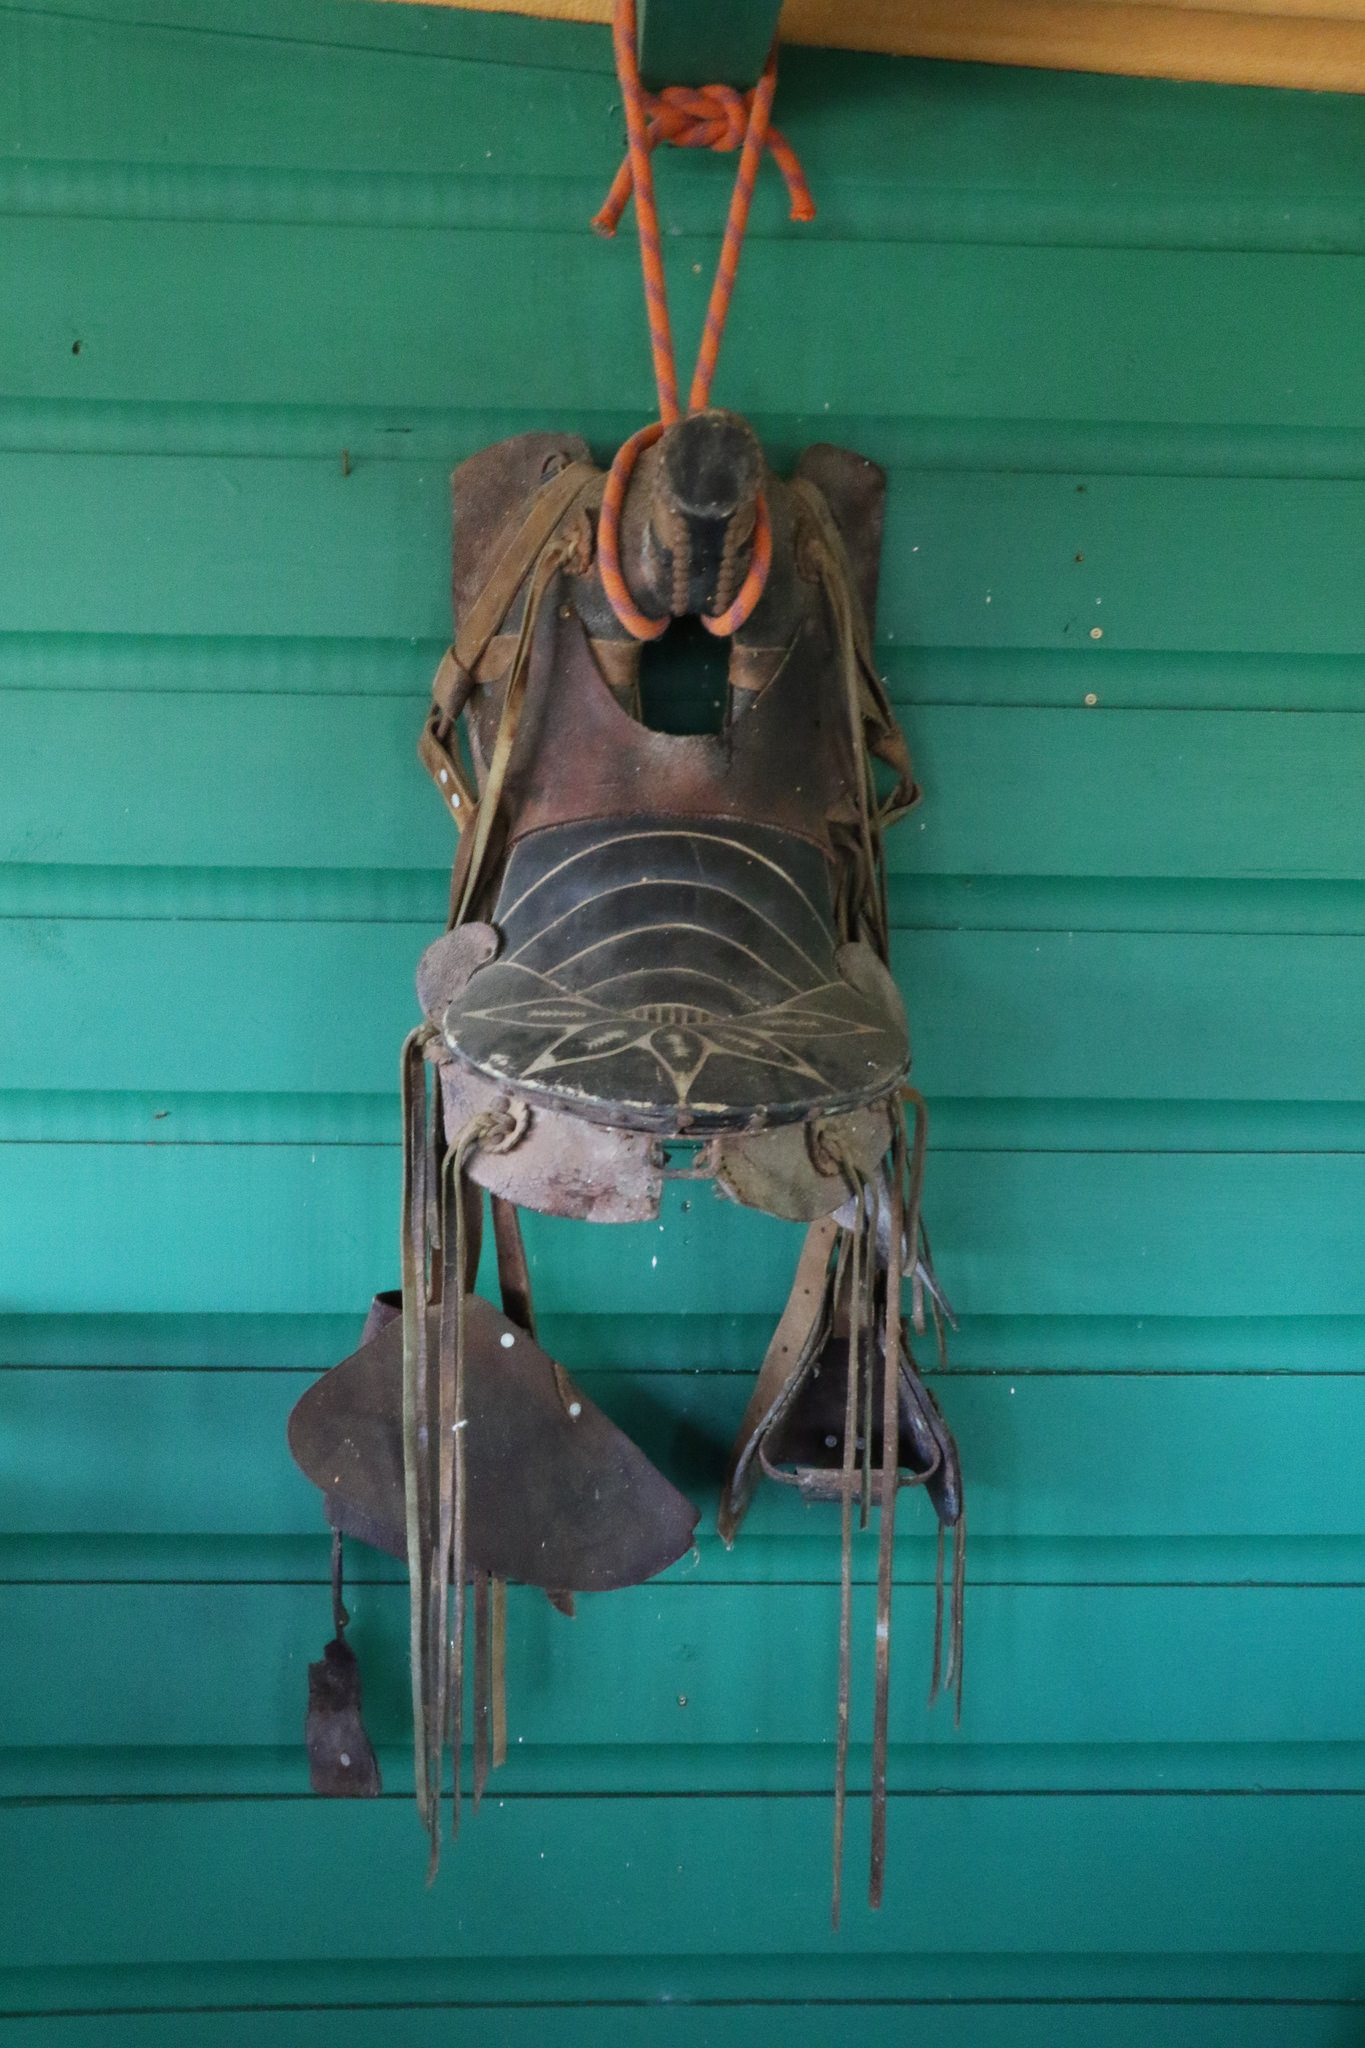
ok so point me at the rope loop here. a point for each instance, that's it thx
(714, 117)
(637, 623)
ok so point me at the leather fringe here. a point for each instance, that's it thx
(441, 1228)
(850, 1255)
(415, 1233)
(886, 1534)
(861, 1268)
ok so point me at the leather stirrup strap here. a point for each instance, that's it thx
(497, 1673)
(947, 1676)
(867, 1323)
(455, 676)
(514, 1272)
(514, 1285)
(474, 841)
(789, 1341)
(471, 1196)
(433, 1430)
(953, 1680)
(936, 1674)
(913, 1226)
(448, 1570)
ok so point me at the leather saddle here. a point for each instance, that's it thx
(658, 940)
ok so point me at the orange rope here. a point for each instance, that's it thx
(705, 117)
(637, 623)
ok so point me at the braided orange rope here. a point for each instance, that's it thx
(707, 117)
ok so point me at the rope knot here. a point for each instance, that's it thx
(714, 117)
(827, 1155)
(504, 1126)
(699, 117)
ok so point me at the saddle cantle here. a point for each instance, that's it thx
(656, 938)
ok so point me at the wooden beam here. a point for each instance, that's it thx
(1314, 45)
(705, 42)
(1318, 46)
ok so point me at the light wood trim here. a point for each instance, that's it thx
(1323, 51)
(598, 11)
(1315, 45)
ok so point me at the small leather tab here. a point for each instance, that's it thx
(753, 668)
(563, 1165)
(618, 661)
(783, 1171)
(385, 1308)
(445, 969)
(449, 777)
(341, 1759)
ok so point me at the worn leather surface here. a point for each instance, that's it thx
(793, 1426)
(802, 1442)
(675, 976)
(341, 1760)
(678, 946)
(656, 937)
(787, 1172)
(787, 757)
(562, 1165)
(555, 1499)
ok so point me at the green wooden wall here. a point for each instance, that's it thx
(1107, 335)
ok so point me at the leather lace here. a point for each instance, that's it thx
(434, 1422)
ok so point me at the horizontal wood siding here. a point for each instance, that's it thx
(1105, 336)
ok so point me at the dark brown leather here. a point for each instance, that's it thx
(787, 759)
(341, 1761)
(677, 976)
(683, 946)
(793, 1428)
(658, 936)
(558, 1496)
(802, 1442)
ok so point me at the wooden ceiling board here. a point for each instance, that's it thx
(1313, 47)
